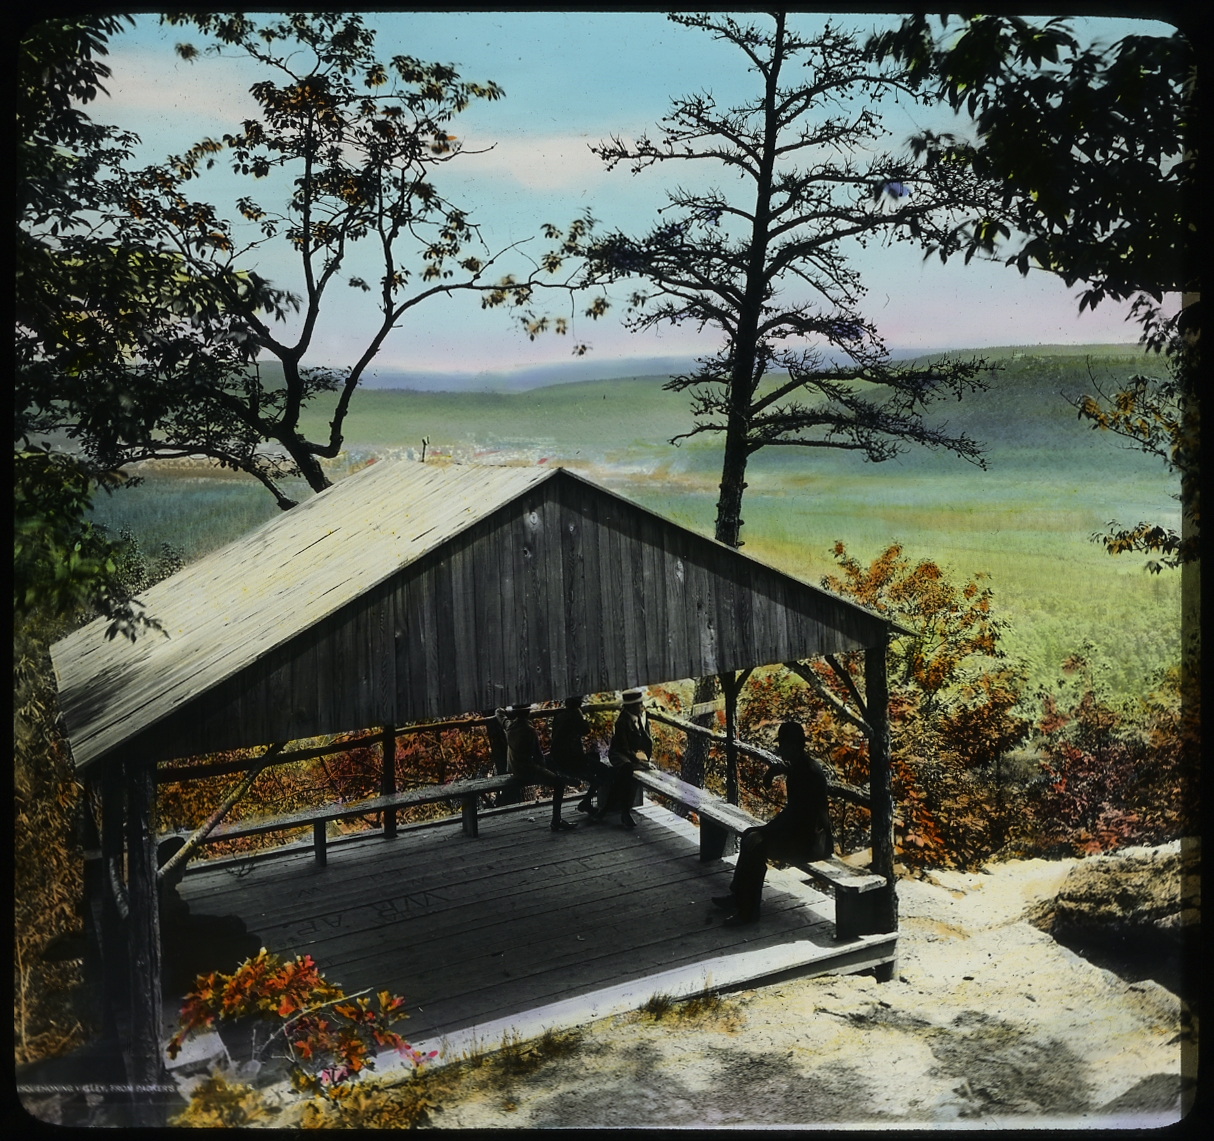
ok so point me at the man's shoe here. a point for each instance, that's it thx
(585, 805)
(627, 820)
(724, 902)
(563, 826)
(737, 920)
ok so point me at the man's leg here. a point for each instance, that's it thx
(596, 774)
(559, 825)
(627, 794)
(609, 792)
(749, 874)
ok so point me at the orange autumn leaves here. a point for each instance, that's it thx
(330, 1037)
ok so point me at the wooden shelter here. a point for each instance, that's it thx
(416, 591)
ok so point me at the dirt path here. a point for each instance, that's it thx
(988, 1021)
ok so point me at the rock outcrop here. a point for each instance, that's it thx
(1135, 892)
(1130, 911)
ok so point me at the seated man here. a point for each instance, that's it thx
(499, 751)
(798, 833)
(630, 750)
(526, 761)
(569, 757)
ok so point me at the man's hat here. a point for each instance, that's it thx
(633, 697)
(573, 702)
(516, 710)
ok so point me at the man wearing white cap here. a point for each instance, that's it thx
(630, 750)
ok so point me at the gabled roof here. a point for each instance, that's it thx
(231, 606)
(243, 604)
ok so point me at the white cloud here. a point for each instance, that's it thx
(537, 162)
(159, 94)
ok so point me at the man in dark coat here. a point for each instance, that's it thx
(630, 750)
(569, 757)
(798, 833)
(527, 762)
(499, 750)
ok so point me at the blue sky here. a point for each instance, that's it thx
(572, 79)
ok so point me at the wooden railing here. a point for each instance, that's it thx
(466, 792)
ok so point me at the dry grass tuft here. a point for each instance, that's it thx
(703, 1010)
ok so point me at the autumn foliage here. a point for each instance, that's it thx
(979, 766)
(1112, 773)
(330, 1037)
(953, 711)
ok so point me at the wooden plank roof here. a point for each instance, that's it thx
(411, 590)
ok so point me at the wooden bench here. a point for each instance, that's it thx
(861, 898)
(467, 792)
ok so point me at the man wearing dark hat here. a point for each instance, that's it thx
(799, 833)
(569, 757)
(526, 762)
(630, 750)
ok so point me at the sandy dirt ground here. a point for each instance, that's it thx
(987, 1022)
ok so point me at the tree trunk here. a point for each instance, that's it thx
(742, 380)
(733, 482)
(695, 755)
(147, 1066)
(1190, 573)
(308, 464)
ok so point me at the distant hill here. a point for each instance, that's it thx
(1023, 418)
(588, 369)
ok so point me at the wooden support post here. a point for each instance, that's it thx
(147, 1064)
(880, 796)
(442, 757)
(94, 889)
(716, 841)
(468, 808)
(113, 931)
(387, 782)
(319, 850)
(729, 687)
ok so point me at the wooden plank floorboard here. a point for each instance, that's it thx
(469, 930)
(354, 863)
(285, 899)
(545, 972)
(618, 924)
(444, 911)
(509, 894)
(370, 926)
(372, 929)
(367, 875)
(642, 895)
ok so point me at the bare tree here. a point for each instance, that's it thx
(764, 263)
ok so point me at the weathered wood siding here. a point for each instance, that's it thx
(567, 589)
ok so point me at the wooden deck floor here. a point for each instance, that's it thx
(478, 932)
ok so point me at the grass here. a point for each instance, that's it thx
(708, 1006)
(1026, 520)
